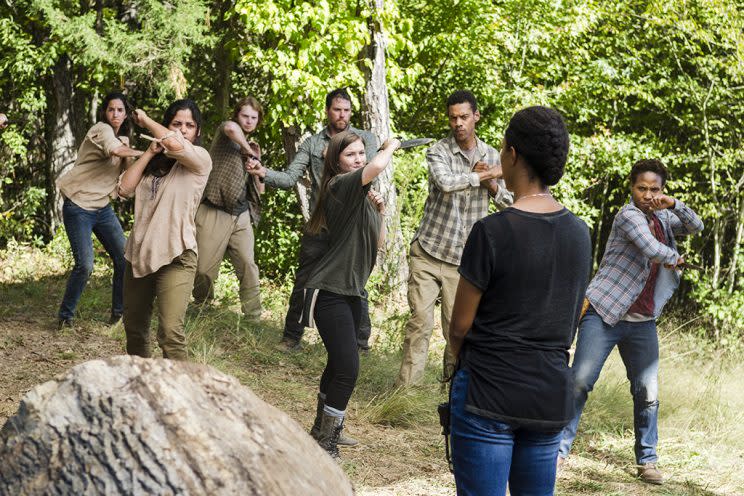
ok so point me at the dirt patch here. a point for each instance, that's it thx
(32, 351)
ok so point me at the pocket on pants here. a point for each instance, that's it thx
(187, 260)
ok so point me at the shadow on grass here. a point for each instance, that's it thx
(617, 476)
(40, 298)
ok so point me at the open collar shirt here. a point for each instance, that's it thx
(630, 250)
(456, 198)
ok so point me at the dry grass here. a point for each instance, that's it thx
(701, 426)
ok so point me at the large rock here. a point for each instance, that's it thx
(127, 425)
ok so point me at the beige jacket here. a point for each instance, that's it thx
(164, 210)
(91, 182)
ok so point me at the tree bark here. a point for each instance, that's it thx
(598, 232)
(376, 112)
(224, 63)
(737, 244)
(128, 425)
(60, 137)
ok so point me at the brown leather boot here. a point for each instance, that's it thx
(650, 474)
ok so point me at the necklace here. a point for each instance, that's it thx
(531, 196)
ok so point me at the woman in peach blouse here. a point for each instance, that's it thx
(167, 182)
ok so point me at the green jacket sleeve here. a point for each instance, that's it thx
(289, 177)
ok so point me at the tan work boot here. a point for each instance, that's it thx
(650, 474)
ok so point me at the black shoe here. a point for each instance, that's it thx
(62, 323)
(363, 350)
(115, 319)
(288, 345)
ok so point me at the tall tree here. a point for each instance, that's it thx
(376, 111)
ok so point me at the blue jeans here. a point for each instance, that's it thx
(638, 344)
(487, 454)
(80, 224)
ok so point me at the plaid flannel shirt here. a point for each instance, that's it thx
(230, 188)
(626, 263)
(456, 198)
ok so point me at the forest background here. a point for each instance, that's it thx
(634, 79)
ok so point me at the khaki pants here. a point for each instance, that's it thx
(218, 232)
(171, 286)
(428, 278)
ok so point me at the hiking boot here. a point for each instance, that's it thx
(650, 474)
(329, 432)
(343, 440)
(315, 429)
(288, 345)
(115, 319)
(62, 323)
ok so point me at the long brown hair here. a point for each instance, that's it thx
(331, 168)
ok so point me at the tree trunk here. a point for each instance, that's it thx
(737, 245)
(224, 63)
(376, 111)
(598, 231)
(60, 137)
(127, 425)
(291, 140)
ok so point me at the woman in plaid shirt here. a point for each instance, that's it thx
(636, 278)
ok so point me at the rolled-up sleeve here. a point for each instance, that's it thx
(120, 192)
(441, 173)
(102, 136)
(195, 158)
(684, 220)
(632, 224)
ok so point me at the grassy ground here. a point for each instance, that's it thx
(701, 426)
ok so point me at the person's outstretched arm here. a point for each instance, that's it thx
(287, 178)
(157, 130)
(380, 161)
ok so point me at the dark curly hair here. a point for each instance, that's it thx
(540, 136)
(462, 96)
(648, 165)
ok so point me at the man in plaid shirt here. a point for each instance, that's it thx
(464, 173)
(636, 278)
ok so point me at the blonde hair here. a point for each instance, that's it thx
(252, 103)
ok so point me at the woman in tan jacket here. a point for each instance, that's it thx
(87, 189)
(167, 182)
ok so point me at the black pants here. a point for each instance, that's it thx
(310, 252)
(337, 317)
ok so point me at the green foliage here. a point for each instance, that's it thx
(634, 79)
(278, 234)
(302, 50)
